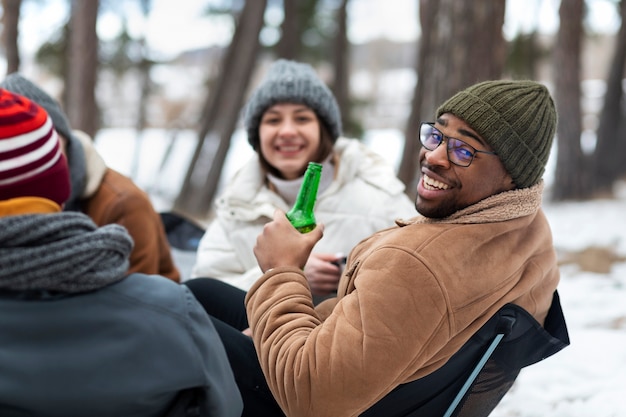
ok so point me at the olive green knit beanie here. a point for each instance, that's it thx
(518, 120)
(291, 82)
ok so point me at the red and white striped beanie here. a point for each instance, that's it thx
(31, 161)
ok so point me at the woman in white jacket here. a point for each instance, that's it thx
(292, 118)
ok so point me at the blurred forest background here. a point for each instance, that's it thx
(107, 77)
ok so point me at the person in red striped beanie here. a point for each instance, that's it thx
(32, 164)
(72, 312)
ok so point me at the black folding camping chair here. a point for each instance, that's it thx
(182, 233)
(184, 237)
(476, 378)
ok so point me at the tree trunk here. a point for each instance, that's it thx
(10, 22)
(145, 88)
(570, 173)
(341, 83)
(223, 108)
(289, 42)
(453, 55)
(608, 158)
(463, 55)
(299, 18)
(428, 10)
(82, 109)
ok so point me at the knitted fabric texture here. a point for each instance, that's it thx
(518, 120)
(16, 83)
(31, 161)
(291, 82)
(64, 252)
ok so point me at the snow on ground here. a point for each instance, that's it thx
(586, 379)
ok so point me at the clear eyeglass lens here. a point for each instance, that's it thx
(430, 137)
(459, 152)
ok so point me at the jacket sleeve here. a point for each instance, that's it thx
(221, 395)
(367, 345)
(151, 252)
(217, 258)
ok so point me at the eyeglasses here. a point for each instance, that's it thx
(459, 152)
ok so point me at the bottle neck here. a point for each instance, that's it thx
(308, 190)
(288, 189)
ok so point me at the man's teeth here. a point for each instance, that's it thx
(431, 184)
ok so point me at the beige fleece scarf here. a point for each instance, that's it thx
(497, 208)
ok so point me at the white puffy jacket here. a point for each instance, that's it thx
(364, 197)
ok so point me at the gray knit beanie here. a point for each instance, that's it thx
(518, 120)
(291, 82)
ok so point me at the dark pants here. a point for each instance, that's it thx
(225, 305)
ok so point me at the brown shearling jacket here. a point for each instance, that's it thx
(118, 200)
(409, 298)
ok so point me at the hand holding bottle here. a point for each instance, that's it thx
(280, 244)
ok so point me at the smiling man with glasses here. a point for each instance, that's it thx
(497, 138)
(413, 295)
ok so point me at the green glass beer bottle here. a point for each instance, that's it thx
(301, 214)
